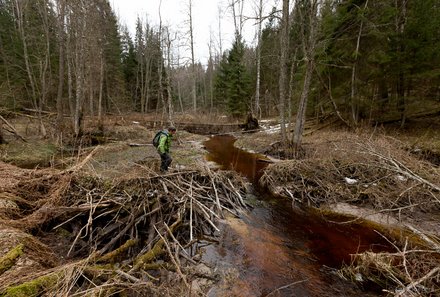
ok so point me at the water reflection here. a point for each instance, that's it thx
(223, 152)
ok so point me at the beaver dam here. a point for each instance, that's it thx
(108, 224)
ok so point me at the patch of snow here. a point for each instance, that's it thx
(359, 277)
(350, 181)
(401, 178)
(135, 122)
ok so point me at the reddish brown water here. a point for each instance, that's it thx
(279, 251)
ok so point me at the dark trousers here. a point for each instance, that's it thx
(165, 161)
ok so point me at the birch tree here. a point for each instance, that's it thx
(284, 46)
(193, 65)
(257, 108)
(169, 101)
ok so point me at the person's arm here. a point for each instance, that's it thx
(161, 146)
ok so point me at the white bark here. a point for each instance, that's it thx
(191, 35)
(284, 46)
(257, 110)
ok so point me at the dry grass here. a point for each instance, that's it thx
(364, 170)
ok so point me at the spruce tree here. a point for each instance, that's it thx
(233, 83)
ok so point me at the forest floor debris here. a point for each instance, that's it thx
(105, 221)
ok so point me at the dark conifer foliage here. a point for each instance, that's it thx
(373, 61)
(233, 82)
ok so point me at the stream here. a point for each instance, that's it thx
(278, 250)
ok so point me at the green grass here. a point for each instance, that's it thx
(28, 155)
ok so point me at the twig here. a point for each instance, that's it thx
(286, 286)
(419, 281)
(127, 276)
(81, 164)
(433, 244)
(175, 260)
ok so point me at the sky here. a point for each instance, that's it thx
(175, 13)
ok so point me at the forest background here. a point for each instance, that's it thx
(364, 61)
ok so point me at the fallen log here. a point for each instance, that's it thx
(8, 260)
(13, 131)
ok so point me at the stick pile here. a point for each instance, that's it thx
(127, 235)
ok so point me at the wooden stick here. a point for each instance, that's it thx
(419, 281)
(173, 259)
(13, 131)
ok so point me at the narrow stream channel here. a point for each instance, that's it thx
(279, 251)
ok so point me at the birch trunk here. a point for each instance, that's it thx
(257, 109)
(191, 35)
(284, 44)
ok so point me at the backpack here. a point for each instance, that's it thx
(157, 138)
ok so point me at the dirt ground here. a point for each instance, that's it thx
(368, 173)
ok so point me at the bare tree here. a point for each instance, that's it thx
(168, 77)
(284, 46)
(37, 79)
(193, 67)
(160, 62)
(309, 20)
(400, 22)
(210, 71)
(257, 108)
(219, 10)
(61, 5)
(237, 16)
(354, 100)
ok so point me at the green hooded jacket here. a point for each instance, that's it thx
(164, 142)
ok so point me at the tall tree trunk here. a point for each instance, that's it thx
(168, 80)
(193, 66)
(354, 100)
(60, 112)
(301, 115)
(160, 61)
(45, 64)
(309, 37)
(220, 44)
(20, 20)
(400, 27)
(284, 47)
(257, 109)
(101, 87)
(79, 76)
(291, 87)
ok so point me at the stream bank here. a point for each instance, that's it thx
(283, 250)
(367, 176)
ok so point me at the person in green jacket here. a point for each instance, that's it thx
(164, 148)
